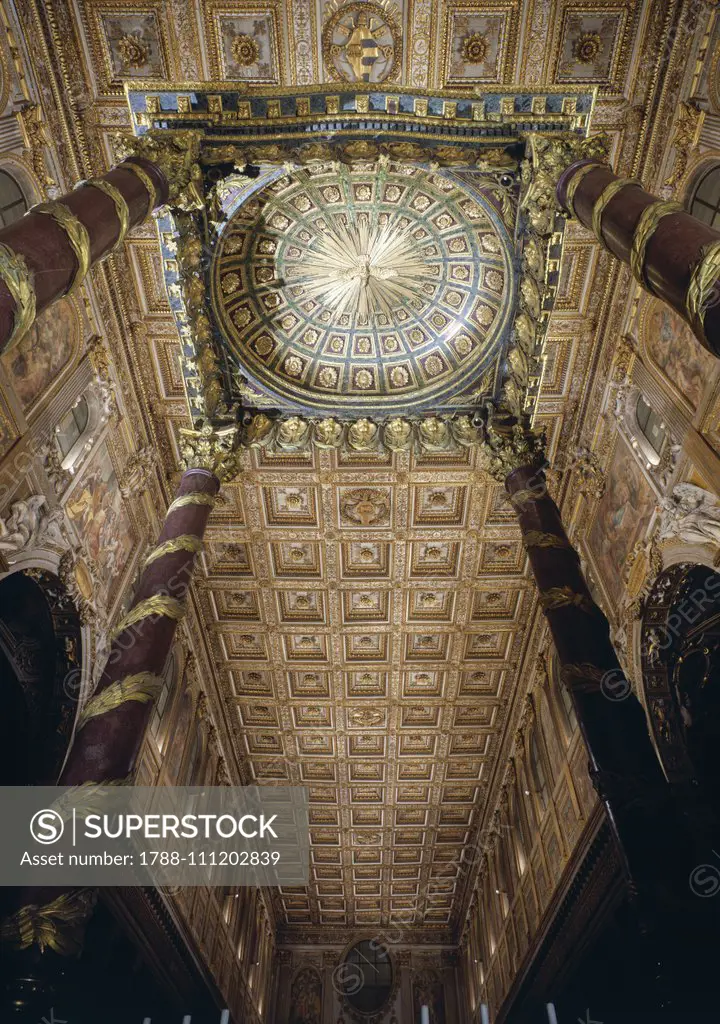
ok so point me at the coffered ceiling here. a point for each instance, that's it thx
(368, 618)
(370, 615)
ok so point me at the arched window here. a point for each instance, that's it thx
(645, 428)
(562, 701)
(537, 768)
(650, 424)
(12, 201)
(705, 200)
(528, 815)
(163, 706)
(517, 833)
(72, 426)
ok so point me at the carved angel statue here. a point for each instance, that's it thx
(23, 526)
(692, 514)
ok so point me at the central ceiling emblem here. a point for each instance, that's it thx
(361, 42)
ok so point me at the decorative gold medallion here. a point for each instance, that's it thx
(361, 42)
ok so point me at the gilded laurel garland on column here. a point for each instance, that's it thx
(572, 187)
(196, 498)
(604, 199)
(564, 597)
(704, 288)
(524, 497)
(187, 542)
(537, 539)
(57, 926)
(76, 234)
(121, 207)
(143, 687)
(647, 225)
(157, 604)
(583, 676)
(144, 177)
(18, 280)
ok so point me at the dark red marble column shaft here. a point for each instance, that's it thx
(108, 744)
(105, 749)
(623, 763)
(673, 251)
(44, 245)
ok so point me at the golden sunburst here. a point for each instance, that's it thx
(363, 268)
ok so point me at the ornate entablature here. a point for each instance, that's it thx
(360, 257)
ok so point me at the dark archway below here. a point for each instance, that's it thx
(680, 646)
(40, 651)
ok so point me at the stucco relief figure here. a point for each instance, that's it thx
(30, 524)
(691, 514)
(22, 527)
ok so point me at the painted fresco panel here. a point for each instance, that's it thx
(622, 515)
(678, 355)
(96, 508)
(35, 363)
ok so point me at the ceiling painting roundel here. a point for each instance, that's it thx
(364, 290)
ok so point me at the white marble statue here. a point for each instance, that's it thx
(692, 514)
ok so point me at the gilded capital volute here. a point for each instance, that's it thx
(208, 449)
(175, 153)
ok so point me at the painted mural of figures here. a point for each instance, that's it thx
(35, 363)
(673, 348)
(96, 508)
(691, 514)
(306, 998)
(622, 512)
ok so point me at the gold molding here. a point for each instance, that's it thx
(702, 284)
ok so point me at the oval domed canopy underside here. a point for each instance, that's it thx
(373, 290)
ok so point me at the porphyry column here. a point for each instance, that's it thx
(49, 251)
(672, 254)
(111, 727)
(623, 764)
